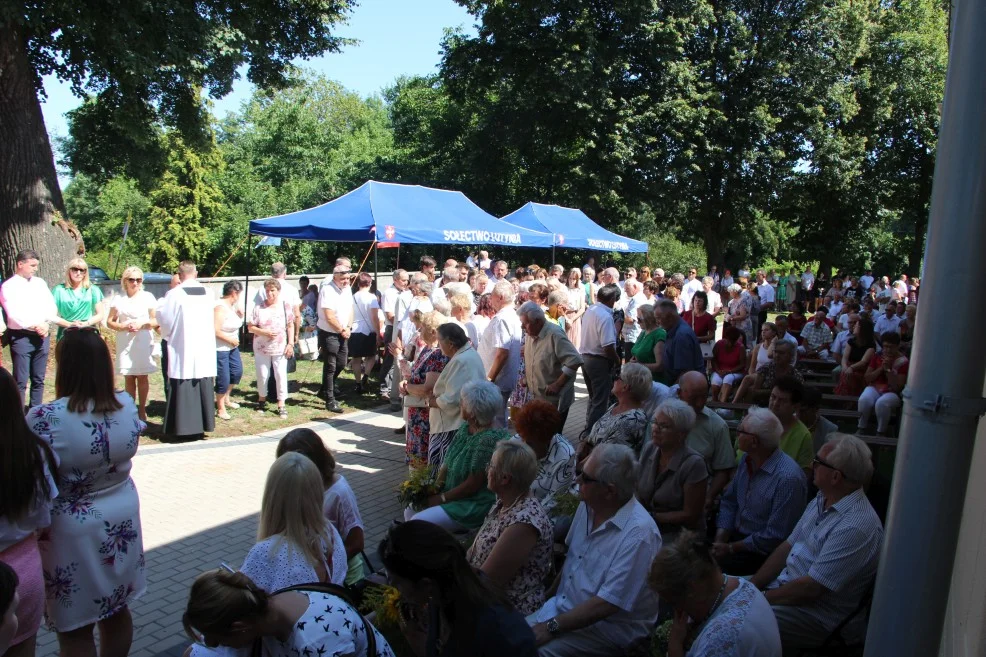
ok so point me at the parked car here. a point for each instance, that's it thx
(156, 277)
(98, 275)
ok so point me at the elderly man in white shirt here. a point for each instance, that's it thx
(500, 346)
(187, 322)
(887, 322)
(599, 355)
(600, 603)
(30, 307)
(335, 320)
(633, 292)
(715, 300)
(389, 299)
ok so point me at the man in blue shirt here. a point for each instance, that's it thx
(681, 350)
(764, 500)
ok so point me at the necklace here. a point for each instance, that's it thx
(718, 600)
(696, 629)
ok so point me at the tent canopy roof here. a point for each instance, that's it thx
(408, 214)
(572, 228)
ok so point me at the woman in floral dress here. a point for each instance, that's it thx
(93, 556)
(427, 366)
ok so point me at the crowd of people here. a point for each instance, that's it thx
(763, 545)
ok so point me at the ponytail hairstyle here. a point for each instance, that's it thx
(23, 456)
(219, 599)
(307, 442)
(418, 550)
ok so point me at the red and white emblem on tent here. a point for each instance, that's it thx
(561, 239)
(389, 231)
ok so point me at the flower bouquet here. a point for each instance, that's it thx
(422, 483)
(383, 605)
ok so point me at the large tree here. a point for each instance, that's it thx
(153, 59)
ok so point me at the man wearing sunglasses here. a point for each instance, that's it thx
(29, 306)
(817, 577)
(600, 603)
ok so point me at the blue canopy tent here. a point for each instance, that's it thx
(405, 214)
(572, 228)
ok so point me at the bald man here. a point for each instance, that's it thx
(710, 435)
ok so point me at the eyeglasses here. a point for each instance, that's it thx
(78, 270)
(586, 479)
(748, 433)
(817, 461)
(135, 280)
(663, 427)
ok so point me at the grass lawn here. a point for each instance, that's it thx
(302, 404)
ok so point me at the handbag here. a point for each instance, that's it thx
(257, 649)
(308, 344)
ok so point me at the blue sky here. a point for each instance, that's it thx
(397, 37)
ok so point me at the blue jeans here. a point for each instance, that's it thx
(29, 358)
(229, 370)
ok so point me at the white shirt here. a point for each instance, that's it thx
(900, 287)
(475, 328)
(866, 281)
(289, 295)
(504, 332)
(688, 291)
(807, 280)
(884, 324)
(632, 331)
(611, 562)
(556, 471)
(834, 309)
(340, 300)
(766, 292)
(598, 329)
(365, 307)
(27, 301)
(715, 302)
(840, 342)
(389, 302)
(188, 324)
(742, 273)
(408, 332)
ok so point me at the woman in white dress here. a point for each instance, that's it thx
(132, 317)
(93, 555)
(339, 505)
(576, 306)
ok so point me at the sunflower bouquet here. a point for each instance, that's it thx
(384, 603)
(422, 483)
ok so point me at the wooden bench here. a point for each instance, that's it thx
(827, 412)
(817, 364)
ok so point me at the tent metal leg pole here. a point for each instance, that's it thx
(375, 268)
(942, 404)
(246, 288)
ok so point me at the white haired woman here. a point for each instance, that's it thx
(714, 614)
(739, 311)
(131, 315)
(625, 421)
(576, 306)
(464, 366)
(77, 300)
(557, 312)
(465, 498)
(513, 547)
(672, 477)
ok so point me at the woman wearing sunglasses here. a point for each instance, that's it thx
(78, 301)
(132, 317)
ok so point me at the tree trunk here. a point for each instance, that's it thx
(713, 239)
(31, 207)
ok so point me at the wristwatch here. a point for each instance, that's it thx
(552, 627)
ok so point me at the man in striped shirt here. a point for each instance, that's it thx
(818, 576)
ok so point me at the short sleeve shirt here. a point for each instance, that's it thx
(598, 329)
(797, 443)
(710, 438)
(665, 491)
(76, 305)
(467, 455)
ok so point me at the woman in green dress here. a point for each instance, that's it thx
(782, 291)
(649, 348)
(79, 302)
(464, 499)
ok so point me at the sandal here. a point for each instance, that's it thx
(224, 416)
(262, 407)
(283, 413)
(232, 404)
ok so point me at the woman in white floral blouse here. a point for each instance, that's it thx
(513, 547)
(93, 555)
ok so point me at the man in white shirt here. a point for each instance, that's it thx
(842, 339)
(335, 319)
(187, 321)
(900, 288)
(601, 603)
(289, 295)
(30, 306)
(633, 290)
(397, 291)
(599, 355)
(500, 345)
(692, 285)
(866, 280)
(499, 274)
(807, 285)
(889, 321)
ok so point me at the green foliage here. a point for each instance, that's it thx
(101, 211)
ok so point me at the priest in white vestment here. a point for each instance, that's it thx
(186, 319)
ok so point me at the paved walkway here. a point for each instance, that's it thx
(200, 502)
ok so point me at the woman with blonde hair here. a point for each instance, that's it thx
(77, 300)
(132, 317)
(576, 306)
(295, 542)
